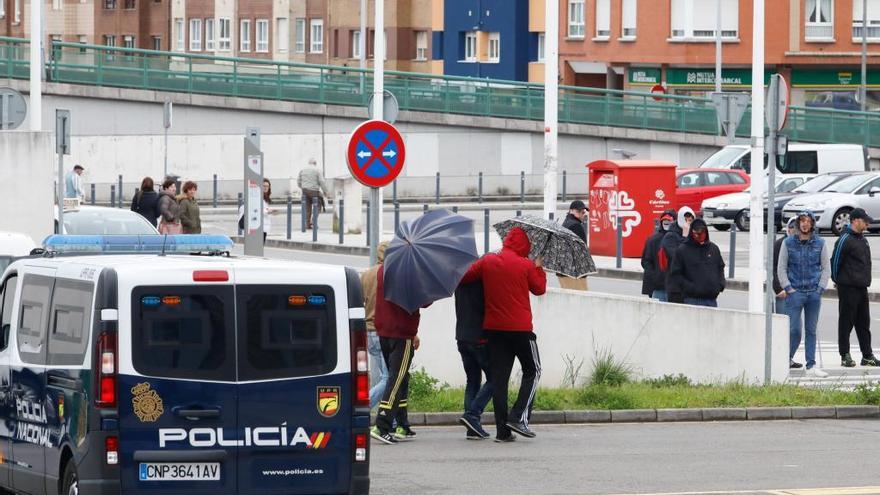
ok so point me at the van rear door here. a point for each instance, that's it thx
(178, 410)
(294, 400)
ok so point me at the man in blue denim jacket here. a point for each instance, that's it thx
(804, 270)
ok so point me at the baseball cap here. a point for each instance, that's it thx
(577, 205)
(860, 213)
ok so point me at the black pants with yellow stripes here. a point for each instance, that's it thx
(398, 354)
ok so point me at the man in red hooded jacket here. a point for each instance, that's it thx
(508, 278)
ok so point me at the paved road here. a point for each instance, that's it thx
(636, 458)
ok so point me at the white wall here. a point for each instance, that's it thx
(27, 164)
(706, 345)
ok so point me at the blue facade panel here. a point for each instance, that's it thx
(509, 18)
(437, 45)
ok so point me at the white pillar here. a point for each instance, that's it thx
(551, 104)
(35, 112)
(378, 105)
(718, 47)
(756, 216)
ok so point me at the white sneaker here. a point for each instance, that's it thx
(816, 372)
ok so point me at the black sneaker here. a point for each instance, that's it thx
(870, 361)
(386, 438)
(847, 361)
(507, 439)
(473, 427)
(472, 436)
(521, 429)
(794, 365)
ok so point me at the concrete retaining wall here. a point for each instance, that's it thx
(27, 164)
(655, 339)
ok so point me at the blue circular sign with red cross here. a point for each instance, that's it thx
(376, 153)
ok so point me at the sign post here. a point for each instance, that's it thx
(62, 147)
(166, 122)
(253, 193)
(730, 108)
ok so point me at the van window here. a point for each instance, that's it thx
(282, 338)
(800, 162)
(7, 301)
(184, 332)
(71, 321)
(36, 292)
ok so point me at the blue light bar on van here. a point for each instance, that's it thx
(317, 300)
(102, 244)
(151, 301)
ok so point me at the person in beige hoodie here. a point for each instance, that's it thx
(369, 282)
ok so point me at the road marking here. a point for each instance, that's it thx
(856, 490)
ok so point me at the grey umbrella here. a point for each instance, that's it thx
(427, 259)
(564, 252)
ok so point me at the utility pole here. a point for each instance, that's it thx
(36, 61)
(378, 107)
(718, 46)
(551, 104)
(863, 87)
(756, 239)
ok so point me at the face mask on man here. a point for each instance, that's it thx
(699, 236)
(665, 224)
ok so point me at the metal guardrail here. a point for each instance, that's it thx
(98, 65)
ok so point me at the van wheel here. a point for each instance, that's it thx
(840, 220)
(741, 221)
(70, 485)
(722, 227)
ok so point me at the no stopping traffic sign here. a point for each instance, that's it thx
(376, 153)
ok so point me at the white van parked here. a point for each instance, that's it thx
(800, 158)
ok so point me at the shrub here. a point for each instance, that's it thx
(609, 371)
(664, 381)
(868, 393)
(423, 386)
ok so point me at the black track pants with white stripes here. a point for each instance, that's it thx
(398, 354)
(503, 348)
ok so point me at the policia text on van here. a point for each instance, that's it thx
(144, 374)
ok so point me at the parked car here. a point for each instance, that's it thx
(799, 159)
(814, 185)
(838, 100)
(101, 220)
(722, 211)
(693, 186)
(831, 207)
(13, 245)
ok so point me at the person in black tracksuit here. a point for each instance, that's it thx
(697, 270)
(473, 347)
(653, 284)
(677, 235)
(851, 271)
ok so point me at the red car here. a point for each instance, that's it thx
(695, 185)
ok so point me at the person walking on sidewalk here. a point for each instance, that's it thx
(697, 270)
(804, 270)
(653, 281)
(777, 287)
(73, 187)
(190, 217)
(311, 183)
(473, 347)
(677, 235)
(169, 208)
(508, 278)
(398, 335)
(574, 222)
(851, 271)
(374, 348)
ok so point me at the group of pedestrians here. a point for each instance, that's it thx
(680, 263)
(169, 212)
(493, 329)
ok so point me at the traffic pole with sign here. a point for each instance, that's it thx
(166, 122)
(62, 147)
(730, 108)
(375, 217)
(253, 193)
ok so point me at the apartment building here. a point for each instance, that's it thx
(638, 44)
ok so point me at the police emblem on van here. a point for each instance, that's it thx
(328, 401)
(147, 403)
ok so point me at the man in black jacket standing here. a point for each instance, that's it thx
(697, 270)
(473, 347)
(653, 281)
(851, 271)
(574, 222)
(677, 235)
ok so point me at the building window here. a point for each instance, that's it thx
(195, 35)
(209, 34)
(575, 18)
(542, 46)
(179, 36)
(225, 34)
(56, 5)
(262, 35)
(317, 39)
(2, 9)
(820, 20)
(109, 40)
(470, 46)
(244, 36)
(697, 19)
(82, 39)
(109, 4)
(157, 43)
(130, 4)
(494, 47)
(16, 14)
(421, 45)
(128, 41)
(873, 20)
(603, 18)
(355, 44)
(282, 34)
(300, 36)
(628, 20)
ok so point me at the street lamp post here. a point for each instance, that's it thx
(718, 47)
(756, 215)
(36, 62)
(863, 88)
(378, 107)
(551, 104)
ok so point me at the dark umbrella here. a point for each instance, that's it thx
(427, 259)
(564, 252)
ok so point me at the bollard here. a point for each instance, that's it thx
(302, 214)
(552, 215)
(240, 205)
(113, 195)
(93, 194)
(732, 254)
(289, 210)
(119, 188)
(486, 231)
(424, 209)
(394, 191)
(341, 221)
(519, 213)
(368, 223)
(455, 209)
(522, 187)
(396, 217)
(480, 187)
(214, 201)
(564, 183)
(315, 206)
(437, 190)
(619, 262)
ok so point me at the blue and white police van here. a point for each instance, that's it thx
(172, 373)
